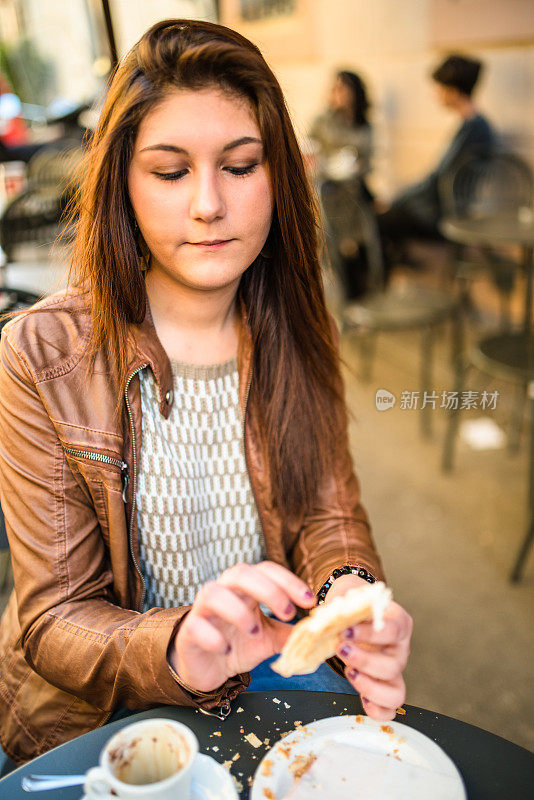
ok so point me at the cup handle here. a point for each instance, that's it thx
(96, 786)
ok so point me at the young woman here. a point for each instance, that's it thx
(342, 137)
(345, 126)
(173, 447)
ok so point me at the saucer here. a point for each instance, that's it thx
(211, 781)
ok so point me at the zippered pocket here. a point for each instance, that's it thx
(116, 462)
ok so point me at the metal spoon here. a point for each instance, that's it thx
(40, 783)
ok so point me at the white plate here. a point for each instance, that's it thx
(275, 779)
(209, 781)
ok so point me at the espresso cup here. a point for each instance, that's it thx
(148, 760)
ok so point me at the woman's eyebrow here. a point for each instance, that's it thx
(172, 148)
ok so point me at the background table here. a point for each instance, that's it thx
(495, 231)
(492, 768)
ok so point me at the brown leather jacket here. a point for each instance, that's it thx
(73, 642)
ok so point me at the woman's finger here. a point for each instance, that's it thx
(218, 602)
(265, 585)
(203, 634)
(385, 665)
(397, 626)
(297, 589)
(386, 694)
(248, 582)
(378, 712)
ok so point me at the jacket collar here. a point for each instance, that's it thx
(149, 350)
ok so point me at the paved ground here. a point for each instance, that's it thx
(448, 543)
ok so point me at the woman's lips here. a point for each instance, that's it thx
(214, 244)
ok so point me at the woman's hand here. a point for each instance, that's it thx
(375, 659)
(225, 632)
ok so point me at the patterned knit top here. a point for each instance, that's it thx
(195, 508)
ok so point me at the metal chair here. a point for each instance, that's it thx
(498, 185)
(348, 218)
(486, 182)
(34, 218)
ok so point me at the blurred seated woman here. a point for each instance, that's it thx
(173, 443)
(342, 134)
(341, 139)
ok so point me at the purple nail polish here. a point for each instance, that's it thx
(349, 633)
(255, 630)
(366, 700)
(289, 610)
(228, 649)
(344, 651)
(352, 674)
(308, 595)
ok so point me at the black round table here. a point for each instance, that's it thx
(498, 230)
(492, 768)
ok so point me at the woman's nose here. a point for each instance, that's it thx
(207, 202)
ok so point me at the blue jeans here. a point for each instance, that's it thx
(324, 679)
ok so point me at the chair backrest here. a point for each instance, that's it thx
(53, 168)
(486, 183)
(349, 219)
(31, 218)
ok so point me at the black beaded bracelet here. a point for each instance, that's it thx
(347, 570)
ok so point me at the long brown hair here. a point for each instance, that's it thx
(296, 382)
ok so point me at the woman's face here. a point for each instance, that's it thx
(341, 98)
(200, 188)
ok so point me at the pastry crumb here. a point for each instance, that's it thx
(239, 710)
(253, 740)
(267, 768)
(276, 700)
(301, 764)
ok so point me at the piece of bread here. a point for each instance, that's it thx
(316, 637)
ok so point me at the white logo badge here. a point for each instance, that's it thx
(384, 400)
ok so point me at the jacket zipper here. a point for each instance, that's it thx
(92, 456)
(222, 711)
(262, 534)
(134, 484)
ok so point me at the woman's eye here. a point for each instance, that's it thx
(239, 171)
(170, 176)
